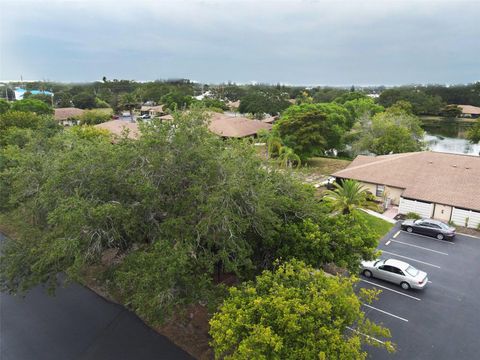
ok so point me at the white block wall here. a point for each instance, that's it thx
(459, 217)
(419, 207)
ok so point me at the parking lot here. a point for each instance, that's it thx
(441, 321)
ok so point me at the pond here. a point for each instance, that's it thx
(449, 136)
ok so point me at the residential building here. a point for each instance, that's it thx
(469, 111)
(68, 116)
(436, 185)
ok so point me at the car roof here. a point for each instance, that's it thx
(433, 221)
(397, 263)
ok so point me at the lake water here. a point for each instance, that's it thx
(449, 136)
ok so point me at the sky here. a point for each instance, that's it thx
(302, 42)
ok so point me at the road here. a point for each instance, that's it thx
(76, 324)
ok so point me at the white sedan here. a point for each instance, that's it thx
(395, 271)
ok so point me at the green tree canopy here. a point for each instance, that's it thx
(32, 105)
(451, 111)
(311, 129)
(423, 104)
(263, 101)
(84, 100)
(473, 134)
(362, 107)
(176, 100)
(93, 117)
(47, 99)
(349, 96)
(295, 312)
(4, 106)
(393, 131)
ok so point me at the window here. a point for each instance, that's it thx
(412, 271)
(386, 268)
(380, 190)
(397, 271)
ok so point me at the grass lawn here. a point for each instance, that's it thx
(379, 226)
(324, 166)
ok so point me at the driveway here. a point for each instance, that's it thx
(76, 324)
(441, 321)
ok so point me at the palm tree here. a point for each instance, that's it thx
(287, 157)
(347, 196)
(274, 145)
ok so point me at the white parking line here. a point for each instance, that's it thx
(406, 257)
(420, 247)
(429, 237)
(387, 288)
(385, 312)
(396, 234)
(367, 336)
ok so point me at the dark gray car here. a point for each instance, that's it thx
(429, 227)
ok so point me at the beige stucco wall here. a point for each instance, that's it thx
(442, 212)
(392, 192)
(369, 187)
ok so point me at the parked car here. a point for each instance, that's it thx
(144, 116)
(429, 227)
(395, 271)
(115, 117)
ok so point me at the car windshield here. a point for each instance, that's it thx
(378, 262)
(411, 271)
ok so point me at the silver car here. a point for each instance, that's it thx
(395, 271)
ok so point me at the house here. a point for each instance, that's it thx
(68, 116)
(236, 126)
(432, 184)
(152, 110)
(119, 128)
(469, 111)
(220, 124)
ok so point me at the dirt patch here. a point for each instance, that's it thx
(189, 330)
(468, 231)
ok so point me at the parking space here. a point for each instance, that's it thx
(442, 321)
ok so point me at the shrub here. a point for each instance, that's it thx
(413, 215)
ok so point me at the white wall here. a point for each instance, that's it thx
(459, 217)
(421, 208)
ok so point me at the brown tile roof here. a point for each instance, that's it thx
(469, 109)
(221, 124)
(117, 127)
(67, 113)
(237, 127)
(270, 119)
(441, 178)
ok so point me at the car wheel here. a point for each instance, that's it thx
(405, 286)
(409, 229)
(440, 236)
(367, 273)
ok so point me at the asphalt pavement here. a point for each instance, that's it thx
(76, 324)
(442, 321)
